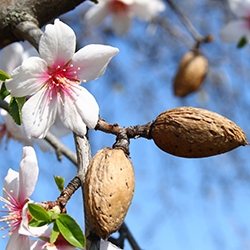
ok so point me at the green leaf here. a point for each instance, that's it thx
(3, 75)
(242, 42)
(70, 230)
(54, 234)
(36, 223)
(59, 182)
(15, 107)
(39, 213)
(3, 92)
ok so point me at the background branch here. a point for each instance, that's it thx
(189, 26)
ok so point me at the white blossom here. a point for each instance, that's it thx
(53, 82)
(122, 12)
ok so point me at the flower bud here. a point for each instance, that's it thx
(108, 190)
(191, 73)
(193, 132)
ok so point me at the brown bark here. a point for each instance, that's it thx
(14, 13)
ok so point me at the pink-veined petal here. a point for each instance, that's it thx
(93, 60)
(11, 184)
(70, 116)
(241, 8)
(97, 13)
(37, 245)
(234, 31)
(38, 114)
(57, 44)
(121, 23)
(11, 57)
(17, 241)
(28, 78)
(87, 107)
(28, 173)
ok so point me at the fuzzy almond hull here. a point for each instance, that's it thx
(193, 132)
(108, 190)
(192, 71)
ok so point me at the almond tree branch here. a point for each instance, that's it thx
(132, 131)
(38, 12)
(83, 152)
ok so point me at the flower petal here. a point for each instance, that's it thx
(146, 10)
(87, 107)
(28, 78)
(70, 116)
(58, 129)
(17, 241)
(241, 8)
(28, 173)
(234, 31)
(11, 57)
(57, 44)
(93, 60)
(38, 114)
(11, 183)
(121, 23)
(96, 14)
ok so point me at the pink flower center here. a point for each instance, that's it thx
(117, 6)
(61, 79)
(13, 215)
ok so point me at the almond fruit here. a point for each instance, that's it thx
(108, 190)
(191, 73)
(194, 132)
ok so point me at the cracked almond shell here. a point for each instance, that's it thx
(191, 73)
(108, 190)
(194, 132)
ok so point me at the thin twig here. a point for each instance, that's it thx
(132, 131)
(60, 148)
(189, 26)
(185, 20)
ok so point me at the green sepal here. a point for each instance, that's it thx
(3, 92)
(15, 107)
(3, 75)
(59, 182)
